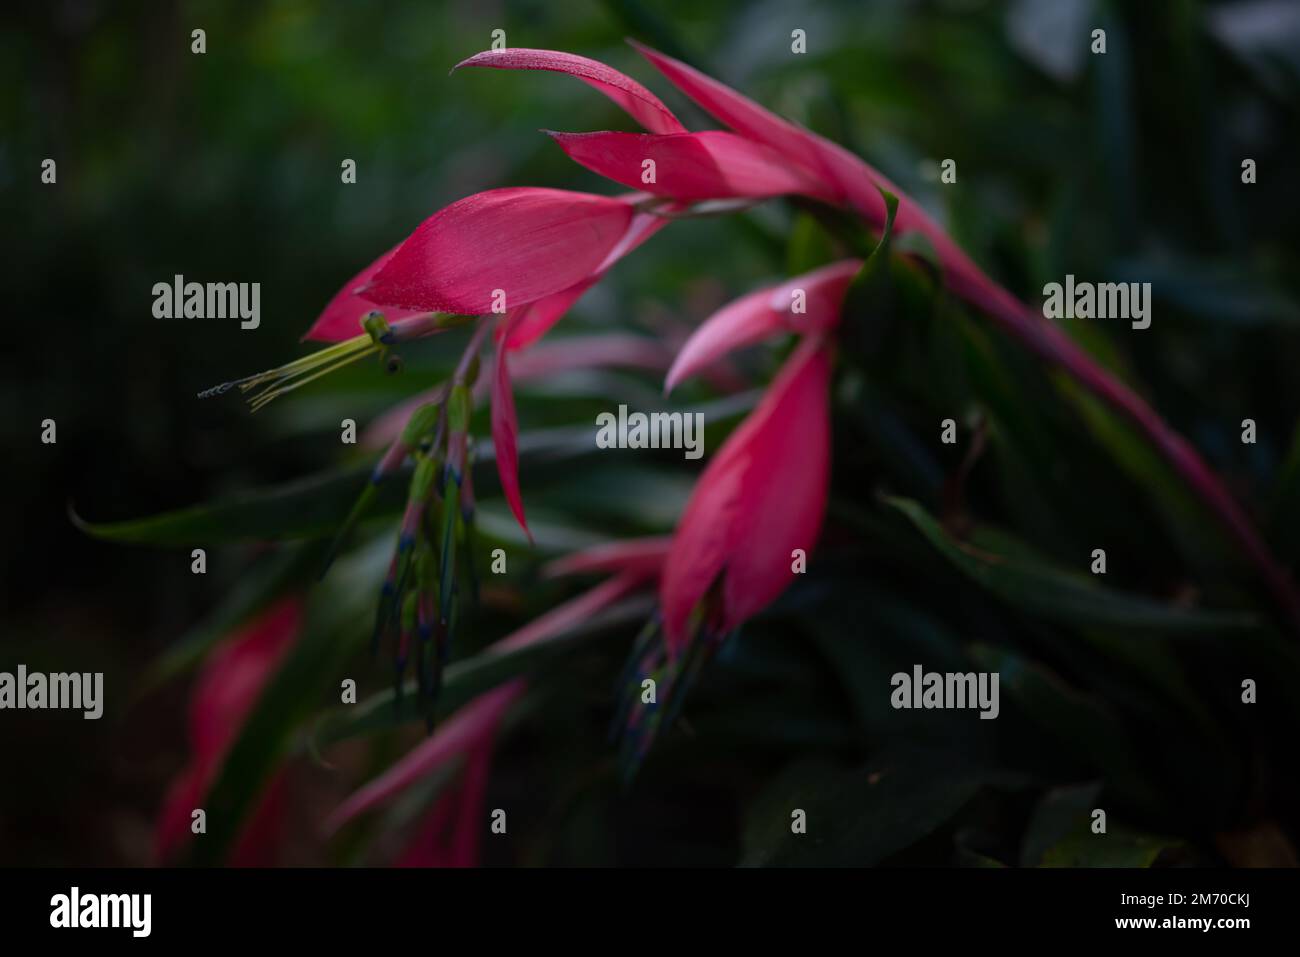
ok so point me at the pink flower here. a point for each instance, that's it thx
(528, 252)
(846, 178)
(504, 247)
(764, 313)
(226, 691)
(767, 156)
(761, 497)
(843, 175)
(718, 532)
(812, 165)
(763, 494)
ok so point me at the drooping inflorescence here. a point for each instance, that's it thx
(417, 607)
(419, 600)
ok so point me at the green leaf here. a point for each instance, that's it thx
(859, 816)
(871, 291)
(1039, 589)
(312, 507)
(303, 509)
(1084, 726)
(1057, 815)
(903, 631)
(1118, 847)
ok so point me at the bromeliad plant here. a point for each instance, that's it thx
(508, 264)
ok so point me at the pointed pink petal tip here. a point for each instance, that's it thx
(765, 313)
(638, 102)
(746, 321)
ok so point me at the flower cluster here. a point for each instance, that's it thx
(513, 261)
